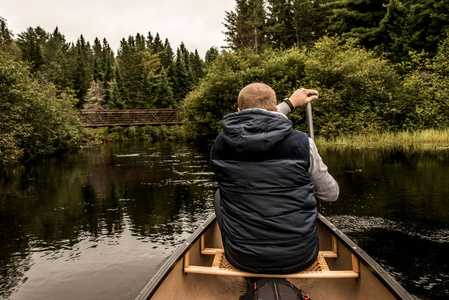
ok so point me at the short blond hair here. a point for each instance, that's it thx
(257, 95)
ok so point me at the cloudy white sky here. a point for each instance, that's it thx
(197, 23)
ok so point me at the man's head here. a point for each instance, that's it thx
(257, 95)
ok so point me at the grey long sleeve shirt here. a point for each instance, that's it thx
(326, 187)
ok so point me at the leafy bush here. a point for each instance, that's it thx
(36, 118)
(217, 93)
(354, 86)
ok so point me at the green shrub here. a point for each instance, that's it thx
(37, 119)
(217, 93)
(354, 86)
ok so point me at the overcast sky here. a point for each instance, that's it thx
(197, 23)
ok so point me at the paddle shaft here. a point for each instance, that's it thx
(309, 119)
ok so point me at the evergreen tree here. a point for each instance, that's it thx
(168, 64)
(392, 29)
(55, 66)
(103, 61)
(358, 18)
(428, 24)
(98, 64)
(413, 26)
(280, 23)
(151, 68)
(30, 43)
(36, 118)
(167, 55)
(164, 94)
(197, 66)
(181, 83)
(157, 46)
(128, 62)
(5, 33)
(246, 26)
(188, 66)
(81, 71)
(119, 95)
(140, 42)
(310, 20)
(108, 73)
(210, 56)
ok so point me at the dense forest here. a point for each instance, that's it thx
(380, 65)
(44, 80)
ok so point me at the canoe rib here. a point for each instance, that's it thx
(319, 269)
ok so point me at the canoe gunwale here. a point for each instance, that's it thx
(389, 282)
(157, 279)
(381, 274)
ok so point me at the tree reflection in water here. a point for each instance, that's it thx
(97, 223)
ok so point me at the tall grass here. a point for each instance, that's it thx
(437, 139)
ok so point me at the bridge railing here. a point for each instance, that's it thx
(131, 117)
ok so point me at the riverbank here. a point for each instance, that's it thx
(429, 139)
(135, 133)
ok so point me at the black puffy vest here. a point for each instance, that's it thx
(268, 207)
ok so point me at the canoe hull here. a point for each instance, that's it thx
(171, 282)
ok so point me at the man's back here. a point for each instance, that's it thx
(267, 208)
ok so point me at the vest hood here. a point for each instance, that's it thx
(255, 130)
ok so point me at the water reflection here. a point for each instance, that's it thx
(96, 224)
(398, 185)
(393, 204)
(81, 206)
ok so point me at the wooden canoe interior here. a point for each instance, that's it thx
(197, 276)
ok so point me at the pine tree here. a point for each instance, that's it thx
(246, 26)
(30, 43)
(210, 56)
(55, 57)
(190, 82)
(428, 24)
(197, 65)
(131, 74)
(98, 64)
(164, 94)
(108, 73)
(360, 19)
(280, 29)
(119, 95)
(181, 83)
(81, 71)
(168, 64)
(5, 33)
(157, 45)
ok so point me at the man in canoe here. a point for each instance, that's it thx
(269, 178)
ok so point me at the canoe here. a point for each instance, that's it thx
(198, 270)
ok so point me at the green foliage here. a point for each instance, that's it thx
(392, 27)
(36, 118)
(354, 84)
(358, 19)
(360, 93)
(217, 93)
(246, 25)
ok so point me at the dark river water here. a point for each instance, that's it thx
(97, 223)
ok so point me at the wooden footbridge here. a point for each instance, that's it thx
(131, 117)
